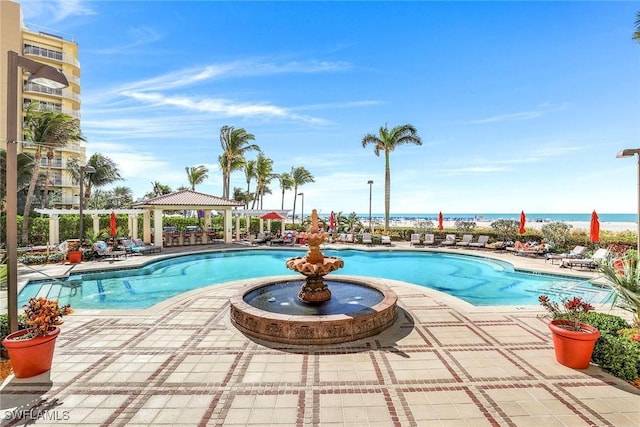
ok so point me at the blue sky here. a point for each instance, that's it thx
(520, 105)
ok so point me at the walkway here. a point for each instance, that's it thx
(443, 363)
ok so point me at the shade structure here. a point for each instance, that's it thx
(332, 221)
(594, 230)
(272, 215)
(440, 219)
(112, 225)
(523, 220)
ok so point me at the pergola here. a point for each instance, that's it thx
(54, 219)
(248, 213)
(184, 200)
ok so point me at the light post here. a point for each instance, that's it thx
(370, 182)
(302, 209)
(630, 152)
(84, 170)
(44, 75)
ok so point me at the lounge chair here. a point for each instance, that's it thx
(367, 239)
(349, 238)
(482, 240)
(288, 238)
(385, 240)
(131, 247)
(104, 251)
(594, 261)
(450, 240)
(497, 245)
(575, 253)
(260, 238)
(429, 239)
(535, 249)
(466, 239)
(415, 240)
(147, 249)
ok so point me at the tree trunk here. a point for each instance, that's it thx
(27, 203)
(45, 197)
(387, 191)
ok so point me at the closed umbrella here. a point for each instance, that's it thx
(332, 221)
(523, 219)
(440, 219)
(594, 231)
(112, 225)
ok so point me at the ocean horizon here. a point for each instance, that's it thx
(531, 217)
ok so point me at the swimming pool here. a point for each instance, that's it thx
(477, 280)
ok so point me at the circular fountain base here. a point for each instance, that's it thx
(270, 310)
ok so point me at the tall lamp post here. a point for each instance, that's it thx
(630, 152)
(84, 171)
(44, 75)
(370, 182)
(302, 214)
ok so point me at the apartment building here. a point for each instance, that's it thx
(54, 50)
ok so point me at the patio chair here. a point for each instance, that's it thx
(385, 240)
(367, 239)
(594, 261)
(429, 239)
(415, 240)
(131, 247)
(482, 240)
(147, 249)
(450, 240)
(260, 238)
(103, 251)
(576, 252)
(466, 239)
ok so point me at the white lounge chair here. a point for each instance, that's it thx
(482, 240)
(367, 239)
(450, 240)
(415, 240)
(385, 240)
(466, 239)
(429, 239)
(598, 257)
(576, 253)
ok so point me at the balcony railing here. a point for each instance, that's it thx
(35, 87)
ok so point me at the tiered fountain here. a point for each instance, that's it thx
(295, 312)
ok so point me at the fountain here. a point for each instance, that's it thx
(294, 312)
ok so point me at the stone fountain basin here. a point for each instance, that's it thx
(314, 329)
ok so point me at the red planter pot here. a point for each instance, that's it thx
(33, 356)
(573, 348)
(74, 256)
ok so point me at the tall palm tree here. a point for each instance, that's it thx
(106, 172)
(158, 190)
(264, 174)
(249, 174)
(286, 183)
(636, 34)
(300, 176)
(24, 166)
(196, 175)
(48, 129)
(387, 140)
(235, 144)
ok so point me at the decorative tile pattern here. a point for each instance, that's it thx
(183, 363)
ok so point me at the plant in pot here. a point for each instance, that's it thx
(623, 276)
(31, 349)
(573, 340)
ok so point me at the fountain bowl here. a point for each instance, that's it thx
(310, 329)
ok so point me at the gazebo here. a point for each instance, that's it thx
(184, 200)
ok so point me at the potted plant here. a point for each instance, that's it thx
(31, 349)
(573, 340)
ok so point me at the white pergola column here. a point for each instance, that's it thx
(237, 227)
(228, 237)
(133, 225)
(146, 226)
(95, 219)
(282, 227)
(207, 219)
(157, 227)
(54, 229)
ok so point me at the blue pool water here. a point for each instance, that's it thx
(477, 280)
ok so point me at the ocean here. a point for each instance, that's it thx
(539, 217)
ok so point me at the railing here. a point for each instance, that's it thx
(35, 87)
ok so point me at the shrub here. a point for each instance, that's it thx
(465, 226)
(506, 229)
(556, 233)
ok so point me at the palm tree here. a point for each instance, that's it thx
(299, 176)
(249, 174)
(48, 129)
(196, 175)
(235, 143)
(25, 167)
(636, 34)
(158, 190)
(387, 140)
(264, 174)
(286, 183)
(106, 172)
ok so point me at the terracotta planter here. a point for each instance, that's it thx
(573, 348)
(33, 356)
(74, 256)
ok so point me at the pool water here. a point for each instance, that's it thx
(479, 281)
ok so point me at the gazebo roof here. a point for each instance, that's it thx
(186, 199)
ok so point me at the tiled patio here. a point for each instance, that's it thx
(442, 363)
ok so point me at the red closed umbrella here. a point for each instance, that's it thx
(594, 230)
(332, 221)
(112, 225)
(440, 219)
(523, 219)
